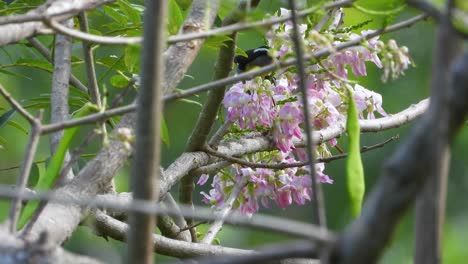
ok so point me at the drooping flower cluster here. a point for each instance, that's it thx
(275, 106)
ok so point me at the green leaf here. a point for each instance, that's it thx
(380, 12)
(217, 41)
(130, 11)
(119, 81)
(15, 74)
(132, 58)
(38, 64)
(184, 4)
(175, 18)
(33, 175)
(241, 52)
(165, 133)
(6, 116)
(47, 180)
(17, 126)
(354, 169)
(115, 15)
(2, 142)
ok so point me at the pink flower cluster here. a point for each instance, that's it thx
(275, 106)
(284, 187)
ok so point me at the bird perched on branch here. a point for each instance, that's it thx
(256, 58)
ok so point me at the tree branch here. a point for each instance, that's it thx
(170, 247)
(280, 166)
(145, 176)
(25, 170)
(430, 205)
(319, 216)
(406, 172)
(16, 28)
(16, 105)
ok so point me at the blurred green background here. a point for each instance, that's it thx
(181, 118)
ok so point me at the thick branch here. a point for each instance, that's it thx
(17, 29)
(146, 173)
(166, 246)
(430, 206)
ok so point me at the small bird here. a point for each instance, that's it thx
(256, 58)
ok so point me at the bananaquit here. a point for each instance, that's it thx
(256, 58)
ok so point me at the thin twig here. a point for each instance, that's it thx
(90, 119)
(113, 202)
(193, 226)
(89, 63)
(86, 37)
(218, 136)
(280, 166)
(23, 177)
(319, 213)
(16, 105)
(119, 98)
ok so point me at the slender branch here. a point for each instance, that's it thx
(22, 179)
(119, 98)
(289, 62)
(90, 38)
(118, 230)
(280, 166)
(317, 193)
(218, 136)
(223, 213)
(226, 29)
(123, 203)
(193, 226)
(45, 52)
(90, 119)
(17, 106)
(169, 229)
(39, 15)
(174, 227)
(146, 173)
(59, 108)
(89, 62)
(15, 32)
(430, 205)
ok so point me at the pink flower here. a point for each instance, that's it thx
(203, 179)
